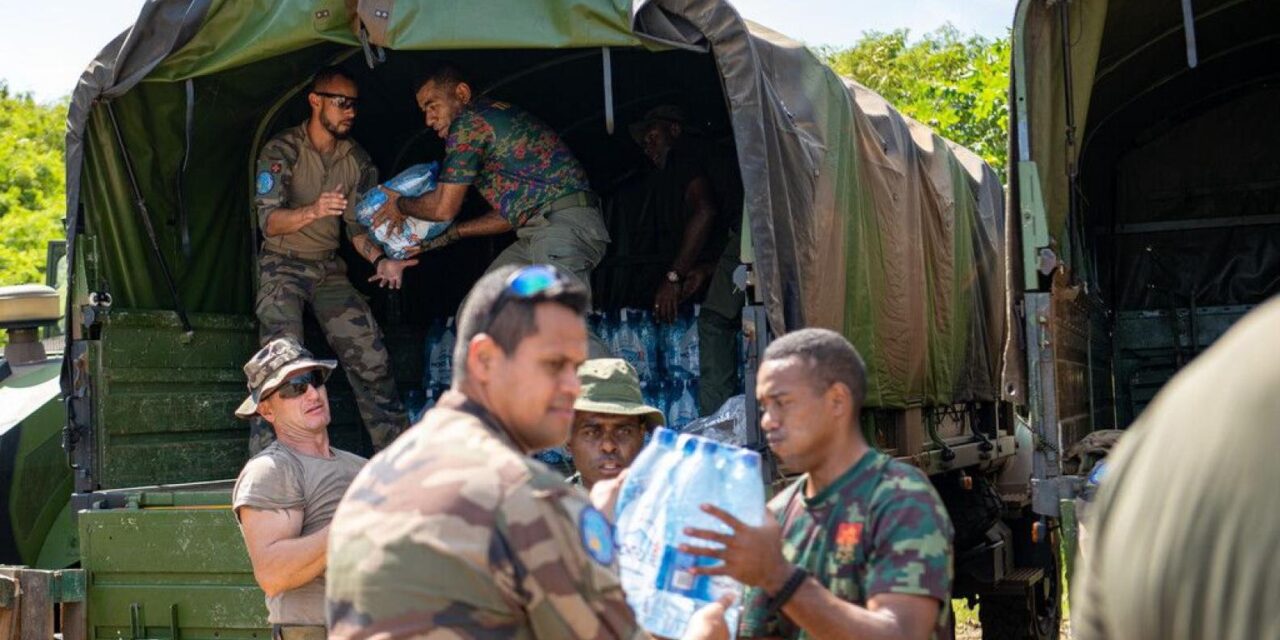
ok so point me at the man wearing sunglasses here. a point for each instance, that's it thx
(307, 180)
(455, 530)
(285, 496)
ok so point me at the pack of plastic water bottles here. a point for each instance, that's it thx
(414, 181)
(663, 492)
(665, 355)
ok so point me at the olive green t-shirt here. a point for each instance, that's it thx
(282, 478)
(291, 174)
(1182, 536)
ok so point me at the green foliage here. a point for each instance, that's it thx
(956, 85)
(32, 184)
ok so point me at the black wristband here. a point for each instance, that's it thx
(789, 589)
(379, 259)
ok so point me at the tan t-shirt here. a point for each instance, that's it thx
(292, 174)
(281, 478)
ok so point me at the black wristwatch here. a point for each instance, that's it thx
(379, 259)
(789, 588)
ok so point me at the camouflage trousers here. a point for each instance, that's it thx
(573, 239)
(286, 286)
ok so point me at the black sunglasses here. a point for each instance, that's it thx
(340, 101)
(530, 282)
(297, 385)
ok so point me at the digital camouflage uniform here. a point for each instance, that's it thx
(879, 528)
(453, 530)
(302, 269)
(525, 171)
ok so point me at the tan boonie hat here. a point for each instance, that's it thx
(272, 365)
(610, 385)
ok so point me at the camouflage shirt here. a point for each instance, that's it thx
(879, 528)
(515, 161)
(452, 529)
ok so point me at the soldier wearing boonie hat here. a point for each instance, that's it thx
(289, 491)
(610, 420)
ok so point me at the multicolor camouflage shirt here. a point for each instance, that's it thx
(879, 528)
(517, 162)
(452, 529)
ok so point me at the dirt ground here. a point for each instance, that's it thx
(968, 627)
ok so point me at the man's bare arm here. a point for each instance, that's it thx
(368, 249)
(282, 558)
(285, 221)
(489, 224)
(698, 201)
(887, 616)
(441, 205)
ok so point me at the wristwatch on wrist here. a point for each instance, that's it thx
(673, 277)
(379, 259)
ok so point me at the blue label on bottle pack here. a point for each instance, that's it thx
(675, 574)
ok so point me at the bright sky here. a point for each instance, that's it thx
(45, 45)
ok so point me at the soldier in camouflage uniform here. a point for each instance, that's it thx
(454, 531)
(529, 179)
(860, 545)
(308, 177)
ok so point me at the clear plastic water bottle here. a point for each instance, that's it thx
(640, 515)
(678, 591)
(683, 399)
(633, 342)
(441, 357)
(689, 359)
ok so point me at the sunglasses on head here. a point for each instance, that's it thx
(340, 101)
(530, 282)
(297, 385)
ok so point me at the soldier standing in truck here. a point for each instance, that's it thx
(307, 179)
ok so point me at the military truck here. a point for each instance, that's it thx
(1144, 180)
(853, 217)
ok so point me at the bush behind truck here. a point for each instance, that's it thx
(853, 218)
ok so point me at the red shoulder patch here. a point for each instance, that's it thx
(848, 534)
(276, 168)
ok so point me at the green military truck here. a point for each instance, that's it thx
(1147, 187)
(853, 218)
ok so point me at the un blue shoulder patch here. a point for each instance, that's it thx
(266, 182)
(597, 535)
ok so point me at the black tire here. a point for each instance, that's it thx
(1034, 615)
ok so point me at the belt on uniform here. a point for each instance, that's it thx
(313, 256)
(298, 632)
(579, 199)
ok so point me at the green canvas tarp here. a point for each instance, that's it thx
(857, 218)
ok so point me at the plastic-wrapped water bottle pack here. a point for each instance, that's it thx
(414, 181)
(663, 492)
(665, 356)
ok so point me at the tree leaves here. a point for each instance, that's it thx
(957, 85)
(32, 184)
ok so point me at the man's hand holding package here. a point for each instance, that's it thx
(389, 212)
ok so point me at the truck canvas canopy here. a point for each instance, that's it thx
(855, 217)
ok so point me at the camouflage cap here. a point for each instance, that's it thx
(272, 365)
(610, 385)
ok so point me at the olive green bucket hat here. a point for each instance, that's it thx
(610, 385)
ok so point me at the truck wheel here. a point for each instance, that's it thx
(1034, 615)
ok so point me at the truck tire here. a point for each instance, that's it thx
(1033, 615)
